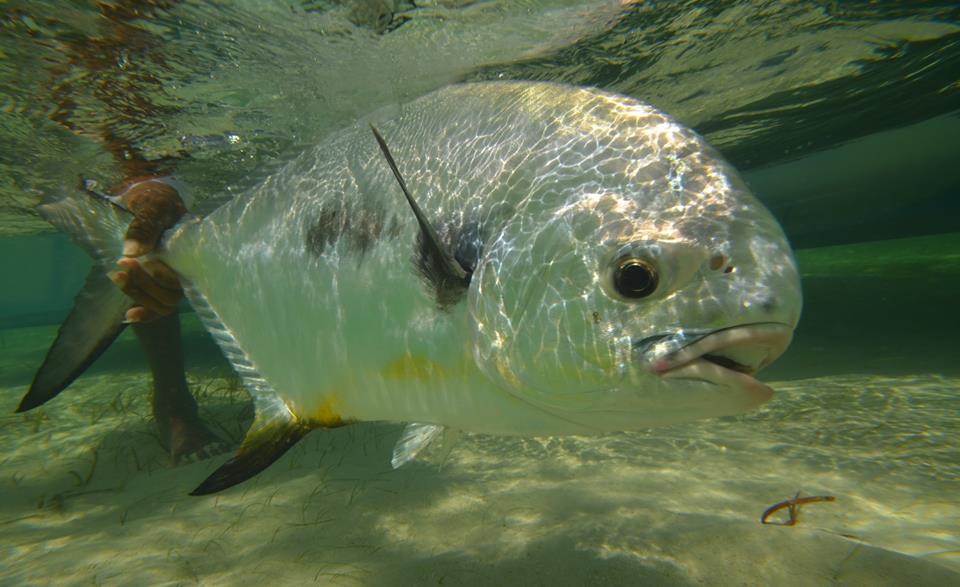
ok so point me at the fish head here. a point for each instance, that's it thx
(634, 302)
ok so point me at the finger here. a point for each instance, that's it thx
(159, 306)
(151, 304)
(142, 235)
(162, 274)
(128, 263)
(158, 271)
(156, 207)
(122, 280)
(140, 315)
(165, 296)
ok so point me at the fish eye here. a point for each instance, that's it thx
(635, 278)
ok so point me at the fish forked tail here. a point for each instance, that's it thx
(97, 225)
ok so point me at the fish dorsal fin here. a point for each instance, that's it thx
(436, 262)
(274, 430)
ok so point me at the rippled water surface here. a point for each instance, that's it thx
(224, 91)
(843, 118)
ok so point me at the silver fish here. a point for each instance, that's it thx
(575, 262)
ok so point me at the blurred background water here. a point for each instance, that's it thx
(843, 116)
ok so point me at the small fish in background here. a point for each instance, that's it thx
(502, 257)
(192, 143)
(224, 139)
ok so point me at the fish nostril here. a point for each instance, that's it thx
(768, 305)
(716, 262)
(719, 262)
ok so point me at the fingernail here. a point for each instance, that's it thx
(132, 248)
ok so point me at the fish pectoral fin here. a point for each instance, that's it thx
(261, 447)
(96, 320)
(275, 428)
(414, 439)
(417, 437)
(438, 265)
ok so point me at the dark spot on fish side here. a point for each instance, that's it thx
(360, 228)
(323, 232)
(596, 318)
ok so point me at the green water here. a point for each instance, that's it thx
(843, 118)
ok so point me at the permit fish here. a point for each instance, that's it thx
(510, 258)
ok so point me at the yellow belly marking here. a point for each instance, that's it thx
(326, 415)
(409, 367)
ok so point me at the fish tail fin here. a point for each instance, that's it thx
(97, 318)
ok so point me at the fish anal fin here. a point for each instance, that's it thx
(261, 448)
(276, 427)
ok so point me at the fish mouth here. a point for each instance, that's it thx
(728, 356)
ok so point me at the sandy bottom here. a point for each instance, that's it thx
(89, 497)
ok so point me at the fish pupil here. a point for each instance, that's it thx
(635, 278)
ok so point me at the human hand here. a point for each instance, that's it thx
(151, 284)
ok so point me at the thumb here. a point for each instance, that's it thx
(156, 207)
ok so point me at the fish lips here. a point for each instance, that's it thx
(726, 357)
